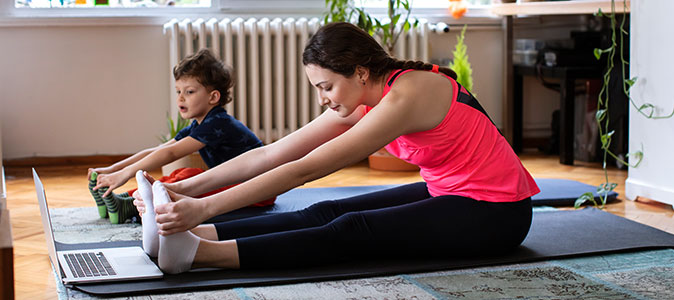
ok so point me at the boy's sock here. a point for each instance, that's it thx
(150, 235)
(102, 209)
(120, 209)
(176, 251)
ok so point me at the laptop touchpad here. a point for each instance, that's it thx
(130, 260)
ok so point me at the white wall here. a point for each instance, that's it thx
(89, 89)
(82, 90)
(651, 61)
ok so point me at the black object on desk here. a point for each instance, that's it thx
(567, 76)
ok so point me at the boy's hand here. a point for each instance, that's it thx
(182, 214)
(112, 181)
(106, 170)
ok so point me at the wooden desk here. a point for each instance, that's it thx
(508, 11)
(557, 7)
(567, 77)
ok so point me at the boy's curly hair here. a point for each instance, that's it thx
(209, 71)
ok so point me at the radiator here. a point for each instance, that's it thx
(272, 95)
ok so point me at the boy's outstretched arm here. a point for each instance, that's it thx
(125, 162)
(159, 156)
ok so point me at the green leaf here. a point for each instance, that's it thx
(585, 197)
(606, 139)
(604, 188)
(638, 155)
(385, 28)
(171, 127)
(646, 105)
(406, 27)
(597, 53)
(630, 82)
(610, 133)
(174, 127)
(599, 13)
(362, 21)
(394, 19)
(600, 115)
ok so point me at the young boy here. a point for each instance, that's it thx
(203, 84)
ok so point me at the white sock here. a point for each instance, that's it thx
(176, 251)
(150, 235)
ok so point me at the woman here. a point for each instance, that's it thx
(475, 198)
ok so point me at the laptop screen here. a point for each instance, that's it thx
(46, 222)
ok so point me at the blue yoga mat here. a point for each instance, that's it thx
(554, 192)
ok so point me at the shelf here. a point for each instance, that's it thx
(558, 7)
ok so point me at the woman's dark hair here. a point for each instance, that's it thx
(340, 47)
(209, 71)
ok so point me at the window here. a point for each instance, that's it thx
(424, 3)
(109, 3)
(430, 9)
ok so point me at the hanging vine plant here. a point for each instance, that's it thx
(602, 117)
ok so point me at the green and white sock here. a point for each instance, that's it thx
(102, 209)
(120, 209)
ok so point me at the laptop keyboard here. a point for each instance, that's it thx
(89, 264)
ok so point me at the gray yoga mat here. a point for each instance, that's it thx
(554, 234)
(554, 192)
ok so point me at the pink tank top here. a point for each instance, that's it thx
(465, 154)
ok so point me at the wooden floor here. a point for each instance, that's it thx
(66, 186)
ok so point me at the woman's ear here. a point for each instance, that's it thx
(363, 73)
(214, 98)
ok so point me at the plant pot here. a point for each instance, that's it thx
(190, 161)
(384, 161)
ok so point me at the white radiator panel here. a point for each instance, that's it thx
(272, 95)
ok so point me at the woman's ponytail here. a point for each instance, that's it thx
(418, 65)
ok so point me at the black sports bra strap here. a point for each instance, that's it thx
(394, 76)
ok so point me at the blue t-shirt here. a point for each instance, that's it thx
(224, 136)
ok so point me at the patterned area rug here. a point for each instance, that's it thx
(635, 275)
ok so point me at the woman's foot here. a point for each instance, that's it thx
(150, 230)
(176, 251)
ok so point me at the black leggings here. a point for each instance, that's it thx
(400, 222)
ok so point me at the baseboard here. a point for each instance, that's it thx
(636, 188)
(91, 160)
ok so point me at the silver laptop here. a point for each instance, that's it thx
(93, 265)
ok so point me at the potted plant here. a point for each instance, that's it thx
(460, 64)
